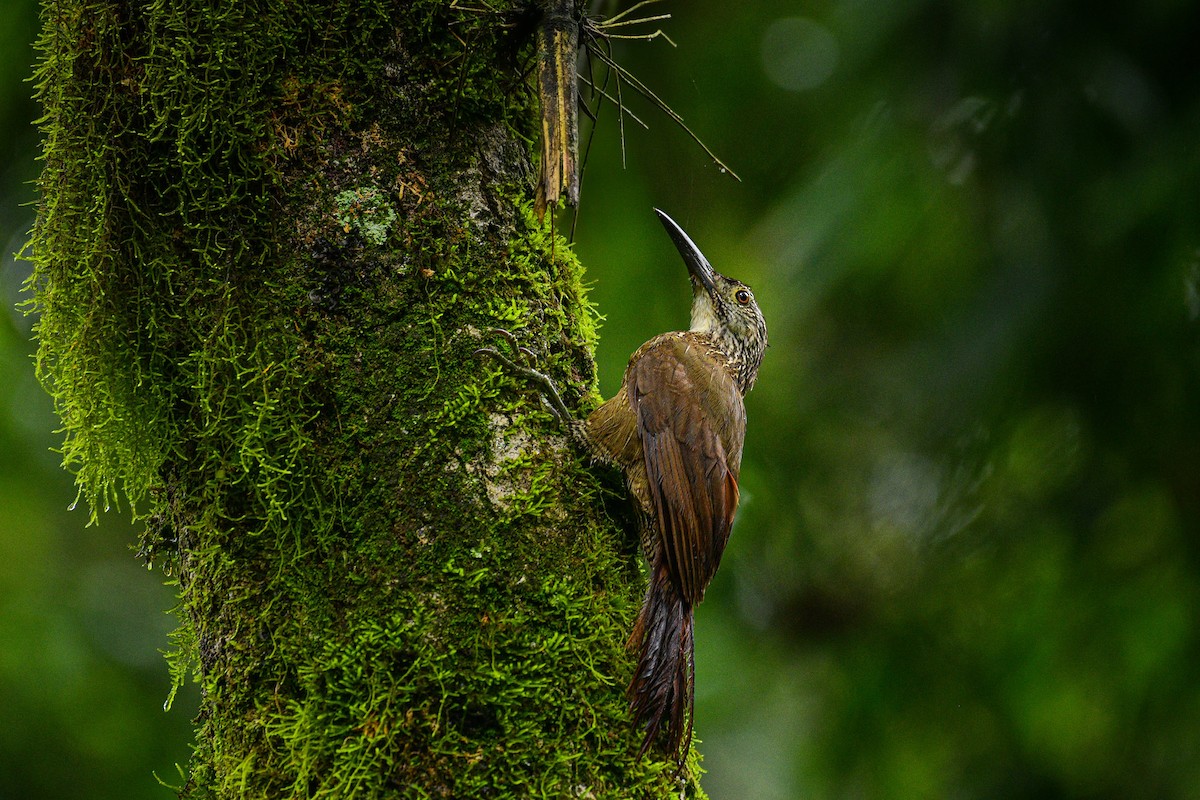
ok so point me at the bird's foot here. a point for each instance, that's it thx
(522, 363)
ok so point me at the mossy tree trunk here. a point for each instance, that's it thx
(271, 237)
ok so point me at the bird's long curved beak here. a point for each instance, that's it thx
(697, 264)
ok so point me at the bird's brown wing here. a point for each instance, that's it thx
(691, 421)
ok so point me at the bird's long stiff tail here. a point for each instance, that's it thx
(662, 690)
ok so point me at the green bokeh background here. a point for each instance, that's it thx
(967, 562)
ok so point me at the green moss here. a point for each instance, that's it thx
(485, 705)
(269, 243)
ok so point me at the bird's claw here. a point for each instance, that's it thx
(526, 358)
(523, 364)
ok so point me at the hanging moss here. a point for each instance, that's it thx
(270, 239)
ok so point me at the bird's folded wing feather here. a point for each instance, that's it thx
(691, 421)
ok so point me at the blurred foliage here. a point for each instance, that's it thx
(967, 561)
(82, 683)
(967, 564)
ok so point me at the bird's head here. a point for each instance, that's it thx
(722, 308)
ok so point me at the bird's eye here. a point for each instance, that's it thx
(742, 296)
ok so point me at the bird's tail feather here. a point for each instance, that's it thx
(661, 693)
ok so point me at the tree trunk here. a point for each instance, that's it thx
(270, 239)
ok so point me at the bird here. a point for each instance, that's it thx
(675, 429)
